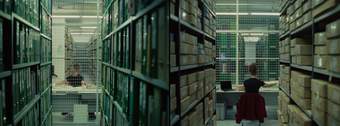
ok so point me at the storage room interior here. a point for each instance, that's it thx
(170, 62)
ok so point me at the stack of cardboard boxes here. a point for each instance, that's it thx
(319, 101)
(333, 35)
(333, 105)
(194, 118)
(320, 6)
(209, 80)
(209, 104)
(173, 100)
(186, 95)
(195, 86)
(301, 89)
(172, 51)
(306, 11)
(192, 89)
(209, 25)
(207, 52)
(190, 12)
(320, 50)
(284, 81)
(301, 52)
(284, 23)
(297, 117)
(298, 13)
(188, 49)
(284, 101)
(173, 7)
(284, 49)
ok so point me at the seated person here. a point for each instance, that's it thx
(76, 80)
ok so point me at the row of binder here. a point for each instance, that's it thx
(122, 91)
(1, 46)
(31, 118)
(108, 78)
(46, 26)
(27, 44)
(46, 50)
(2, 102)
(107, 109)
(151, 50)
(152, 106)
(5, 6)
(116, 49)
(45, 78)
(120, 11)
(24, 87)
(28, 9)
(45, 104)
(47, 4)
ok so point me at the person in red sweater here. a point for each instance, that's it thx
(251, 109)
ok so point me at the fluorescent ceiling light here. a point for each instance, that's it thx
(82, 33)
(232, 13)
(88, 27)
(65, 16)
(269, 14)
(74, 16)
(90, 16)
(252, 13)
(251, 39)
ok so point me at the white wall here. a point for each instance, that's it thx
(58, 47)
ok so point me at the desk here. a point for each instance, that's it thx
(230, 98)
(65, 96)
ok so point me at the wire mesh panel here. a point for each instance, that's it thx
(247, 32)
(75, 59)
(226, 62)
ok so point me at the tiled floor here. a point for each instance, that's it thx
(232, 123)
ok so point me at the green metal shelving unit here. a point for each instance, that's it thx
(135, 90)
(25, 70)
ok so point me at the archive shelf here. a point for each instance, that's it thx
(191, 67)
(141, 13)
(329, 14)
(302, 29)
(5, 74)
(5, 15)
(284, 35)
(22, 20)
(209, 9)
(21, 114)
(196, 28)
(23, 63)
(174, 120)
(189, 27)
(46, 37)
(284, 91)
(156, 82)
(46, 63)
(195, 103)
(47, 115)
(129, 90)
(306, 68)
(316, 24)
(284, 61)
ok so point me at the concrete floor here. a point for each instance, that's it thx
(232, 123)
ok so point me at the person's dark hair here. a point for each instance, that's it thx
(76, 66)
(252, 69)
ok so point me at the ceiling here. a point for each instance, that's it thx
(79, 17)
